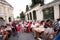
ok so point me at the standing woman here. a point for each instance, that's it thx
(29, 27)
(22, 26)
(18, 29)
(14, 28)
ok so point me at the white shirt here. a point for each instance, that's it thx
(42, 26)
(8, 28)
(49, 30)
(22, 25)
(33, 26)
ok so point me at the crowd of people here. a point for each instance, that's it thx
(48, 29)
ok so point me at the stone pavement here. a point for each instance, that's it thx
(13, 38)
(26, 36)
(23, 36)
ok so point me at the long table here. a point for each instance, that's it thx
(38, 31)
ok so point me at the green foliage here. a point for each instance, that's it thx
(22, 16)
(18, 17)
(34, 2)
(27, 8)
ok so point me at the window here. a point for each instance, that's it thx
(48, 13)
(1, 18)
(30, 16)
(34, 15)
(9, 19)
(0, 10)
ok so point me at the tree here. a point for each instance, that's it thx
(18, 17)
(22, 15)
(34, 2)
(27, 8)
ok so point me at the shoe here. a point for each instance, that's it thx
(40, 39)
(35, 37)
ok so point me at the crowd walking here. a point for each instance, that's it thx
(41, 30)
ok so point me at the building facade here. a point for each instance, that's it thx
(6, 11)
(38, 12)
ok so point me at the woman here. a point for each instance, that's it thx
(29, 26)
(18, 29)
(22, 26)
(9, 29)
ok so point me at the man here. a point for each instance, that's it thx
(57, 37)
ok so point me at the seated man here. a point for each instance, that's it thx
(57, 37)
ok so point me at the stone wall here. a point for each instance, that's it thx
(6, 11)
(39, 12)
